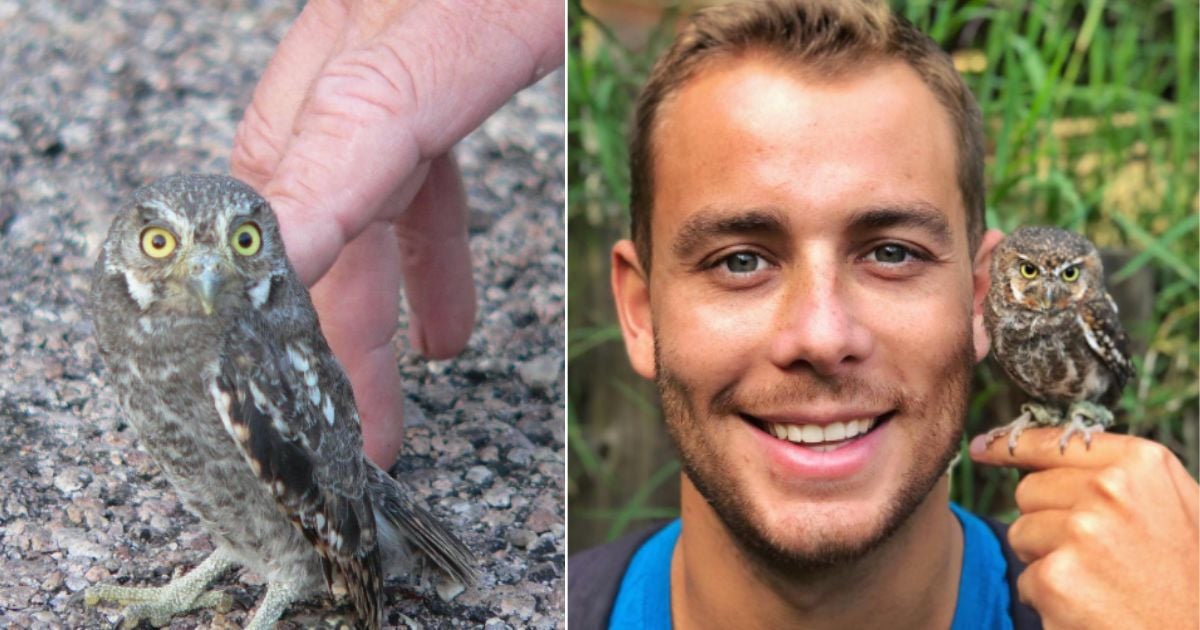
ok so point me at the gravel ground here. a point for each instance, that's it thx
(97, 100)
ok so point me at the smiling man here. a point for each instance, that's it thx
(804, 283)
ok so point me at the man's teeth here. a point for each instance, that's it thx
(816, 434)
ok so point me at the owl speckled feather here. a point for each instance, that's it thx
(1055, 331)
(214, 349)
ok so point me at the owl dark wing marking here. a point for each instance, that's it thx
(1105, 336)
(277, 414)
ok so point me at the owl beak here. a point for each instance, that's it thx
(204, 287)
(205, 280)
(1048, 299)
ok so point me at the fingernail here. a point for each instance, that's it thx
(979, 444)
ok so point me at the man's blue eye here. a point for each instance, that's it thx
(742, 262)
(891, 254)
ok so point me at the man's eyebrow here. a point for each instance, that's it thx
(919, 215)
(710, 222)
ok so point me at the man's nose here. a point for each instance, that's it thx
(819, 326)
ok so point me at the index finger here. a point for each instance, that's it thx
(1038, 449)
(380, 110)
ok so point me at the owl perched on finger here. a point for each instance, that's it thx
(1055, 331)
(215, 352)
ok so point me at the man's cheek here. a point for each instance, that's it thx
(715, 340)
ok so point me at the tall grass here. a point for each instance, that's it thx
(1092, 122)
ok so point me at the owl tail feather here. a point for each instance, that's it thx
(395, 510)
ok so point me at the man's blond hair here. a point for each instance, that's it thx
(827, 37)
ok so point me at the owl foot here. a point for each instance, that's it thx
(279, 596)
(1086, 418)
(159, 604)
(1032, 415)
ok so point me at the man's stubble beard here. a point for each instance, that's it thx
(705, 467)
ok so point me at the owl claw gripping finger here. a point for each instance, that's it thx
(1055, 331)
(216, 355)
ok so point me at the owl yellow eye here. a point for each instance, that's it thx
(157, 242)
(1070, 274)
(247, 239)
(1029, 270)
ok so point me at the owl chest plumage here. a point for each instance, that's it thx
(1046, 353)
(161, 370)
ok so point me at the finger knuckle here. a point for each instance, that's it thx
(367, 83)
(254, 146)
(1016, 531)
(1112, 483)
(1054, 574)
(1151, 454)
(1081, 526)
(1025, 492)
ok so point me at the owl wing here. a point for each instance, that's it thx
(293, 418)
(1106, 337)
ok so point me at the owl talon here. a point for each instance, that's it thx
(1032, 415)
(1086, 418)
(1013, 430)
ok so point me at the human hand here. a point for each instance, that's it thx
(1110, 534)
(349, 135)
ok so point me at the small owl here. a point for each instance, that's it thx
(214, 350)
(1055, 331)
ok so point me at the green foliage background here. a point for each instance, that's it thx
(1091, 114)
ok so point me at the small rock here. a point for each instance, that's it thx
(9, 132)
(496, 624)
(480, 475)
(96, 574)
(410, 623)
(542, 373)
(53, 582)
(76, 583)
(521, 537)
(414, 416)
(520, 605)
(74, 541)
(448, 589)
(541, 520)
(544, 572)
(77, 136)
(71, 480)
(519, 456)
(498, 497)
(10, 328)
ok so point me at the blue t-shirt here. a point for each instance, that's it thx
(644, 599)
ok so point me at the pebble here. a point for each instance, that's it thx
(448, 589)
(520, 605)
(541, 520)
(479, 475)
(521, 537)
(541, 374)
(498, 497)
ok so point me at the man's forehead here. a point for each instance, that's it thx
(754, 122)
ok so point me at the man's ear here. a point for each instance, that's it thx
(631, 292)
(983, 274)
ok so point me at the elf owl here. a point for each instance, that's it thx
(214, 350)
(1055, 331)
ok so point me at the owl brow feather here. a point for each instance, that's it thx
(162, 209)
(1077, 262)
